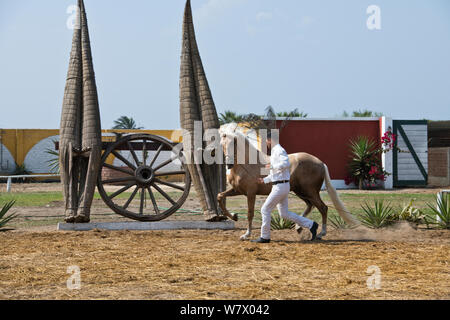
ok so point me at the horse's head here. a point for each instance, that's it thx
(228, 143)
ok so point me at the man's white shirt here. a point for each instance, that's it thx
(279, 165)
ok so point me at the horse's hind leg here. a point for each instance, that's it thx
(323, 209)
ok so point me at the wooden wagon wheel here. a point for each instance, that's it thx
(142, 163)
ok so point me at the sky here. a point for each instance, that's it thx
(315, 55)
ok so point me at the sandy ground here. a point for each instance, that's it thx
(413, 262)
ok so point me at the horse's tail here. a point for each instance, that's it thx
(338, 204)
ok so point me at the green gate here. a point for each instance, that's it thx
(411, 161)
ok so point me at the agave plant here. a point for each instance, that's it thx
(338, 223)
(378, 216)
(441, 211)
(410, 213)
(364, 156)
(278, 223)
(4, 219)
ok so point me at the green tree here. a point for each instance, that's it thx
(229, 117)
(125, 123)
(260, 121)
(293, 114)
(363, 114)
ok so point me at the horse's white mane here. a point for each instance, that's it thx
(233, 130)
(228, 129)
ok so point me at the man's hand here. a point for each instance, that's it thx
(260, 181)
(268, 166)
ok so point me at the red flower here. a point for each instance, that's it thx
(388, 139)
(373, 171)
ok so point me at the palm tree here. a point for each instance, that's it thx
(125, 123)
(265, 121)
(229, 117)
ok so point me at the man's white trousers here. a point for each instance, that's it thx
(279, 198)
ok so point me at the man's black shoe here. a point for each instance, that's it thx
(314, 231)
(261, 240)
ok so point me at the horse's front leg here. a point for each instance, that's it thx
(221, 199)
(251, 198)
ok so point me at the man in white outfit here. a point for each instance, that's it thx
(279, 178)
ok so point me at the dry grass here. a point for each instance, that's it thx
(215, 265)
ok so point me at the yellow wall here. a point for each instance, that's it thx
(20, 141)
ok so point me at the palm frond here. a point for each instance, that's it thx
(4, 219)
(126, 123)
(53, 162)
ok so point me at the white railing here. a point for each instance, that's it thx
(9, 178)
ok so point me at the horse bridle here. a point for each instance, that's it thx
(237, 164)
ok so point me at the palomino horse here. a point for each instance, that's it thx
(307, 176)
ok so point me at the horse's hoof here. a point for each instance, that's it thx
(299, 230)
(320, 236)
(215, 218)
(235, 216)
(244, 238)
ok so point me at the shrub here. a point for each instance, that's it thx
(378, 216)
(440, 212)
(4, 219)
(365, 166)
(21, 170)
(338, 223)
(278, 223)
(410, 213)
